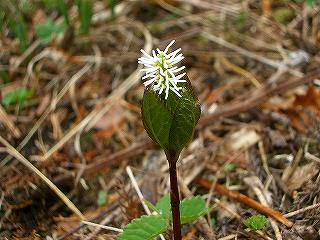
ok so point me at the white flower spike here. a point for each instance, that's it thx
(160, 71)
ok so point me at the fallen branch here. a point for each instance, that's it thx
(245, 200)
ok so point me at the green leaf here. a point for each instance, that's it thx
(213, 221)
(19, 95)
(85, 14)
(27, 7)
(63, 9)
(242, 19)
(2, 20)
(151, 206)
(256, 222)
(283, 15)
(191, 209)
(19, 29)
(171, 122)
(144, 228)
(230, 167)
(112, 4)
(163, 205)
(311, 2)
(47, 30)
(50, 4)
(4, 76)
(102, 198)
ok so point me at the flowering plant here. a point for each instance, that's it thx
(170, 111)
(160, 71)
(169, 119)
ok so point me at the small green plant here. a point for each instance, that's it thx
(19, 29)
(112, 5)
(20, 95)
(102, 198)
(149, 227)
(229, 167)
(85, 15)
(256, 222)
(4, 76)
(311, 2)
(63, 9)
(170, 111)
(47, 30)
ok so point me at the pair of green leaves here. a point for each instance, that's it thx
(149, 227)
(18, 96)
(171, 122)
(47, 30)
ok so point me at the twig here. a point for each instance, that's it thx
(105, 221)
(265, 165)
(245, 200)
(9, 123)
(256, 185)
(241, 71)
(108, 211)
(287, 173)
(137, 189)
(229, 237)
(139, 193)
(102, 226)
(269, 62)
(312, 157)
(1, 199)
(13, 152)
(203, 224)
(302, 210)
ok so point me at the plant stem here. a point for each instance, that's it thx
(175, 200)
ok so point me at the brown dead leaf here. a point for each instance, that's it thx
(44, 103)
(242, 139)
(311, 100)
(190, 235)
(111, 122)
(301, 175)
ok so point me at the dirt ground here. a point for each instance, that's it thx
(254, 66)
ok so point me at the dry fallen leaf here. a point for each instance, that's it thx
(301, 175)
(242, 139)
(111, 122)
(311, 100)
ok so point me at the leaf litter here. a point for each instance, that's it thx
(255, 69)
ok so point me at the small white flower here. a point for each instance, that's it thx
(160, 71)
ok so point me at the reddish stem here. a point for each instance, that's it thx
(175, 199)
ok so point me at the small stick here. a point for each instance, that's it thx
(9, 123)
(102, 226)
(203, 225)
(14, 153)
(246, 200)
(302, 210)
(257, 186)
(138, 191)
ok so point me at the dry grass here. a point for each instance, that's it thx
(254, 66)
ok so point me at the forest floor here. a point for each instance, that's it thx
(255, 68)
